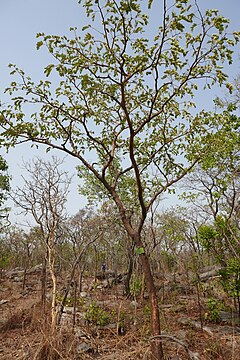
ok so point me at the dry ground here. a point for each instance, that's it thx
(24, 328)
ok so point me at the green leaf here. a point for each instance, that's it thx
(86, 27)
(39, 44)
(48, 69)
(140, 250)
(150, 4)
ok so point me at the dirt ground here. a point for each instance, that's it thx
(24, 330)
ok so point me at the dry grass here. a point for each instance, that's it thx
(58, 346)
(17, 320)
(26, 334)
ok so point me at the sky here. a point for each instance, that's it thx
(20, 20)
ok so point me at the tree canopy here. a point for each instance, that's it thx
(4, 187)
(125, 105)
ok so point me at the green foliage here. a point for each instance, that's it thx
(140, 250)
(4, 188)
(231, 277)
(96, 315)
(4, 180)
(214, 306)
(220, 238)
(124, 107)
(124, 104)
(5, 260)
(206, 235)
(169, 259)
(121, 319)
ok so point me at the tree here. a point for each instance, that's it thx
(44, 197)
(83, 230)
(123, 106)
(215, 193)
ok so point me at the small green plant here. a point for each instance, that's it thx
(5, 260)
(214, 307)
(121, 323)
(147, 312)
(230, 280)
(135, 286)
(96, 315)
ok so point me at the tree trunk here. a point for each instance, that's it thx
(156, 345)
(115, 266)
(25, 275)
(129, 272)
(51, 261)
(143, 287)
(80, 278)
(43, 284)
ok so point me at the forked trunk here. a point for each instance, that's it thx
(156, 345)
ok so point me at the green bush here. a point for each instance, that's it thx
(96, 315)
(214, 307)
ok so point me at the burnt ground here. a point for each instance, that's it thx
(119, 330)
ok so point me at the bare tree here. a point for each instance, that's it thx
(44, 196)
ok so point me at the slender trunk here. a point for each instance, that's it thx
(63, 302)
(199, 303)
(238, 307)
(74, 303)
(51, 260)
(96, 264)
(25, 275)
(129, 272)
(143, 287)
(115, 267)
(156, 345)
(80, 278)
(43, 284)
(54, 293)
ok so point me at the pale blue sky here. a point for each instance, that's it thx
(20, 20)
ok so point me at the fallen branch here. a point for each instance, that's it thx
(192, 355)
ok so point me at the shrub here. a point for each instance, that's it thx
(214, 307)
(96, 315)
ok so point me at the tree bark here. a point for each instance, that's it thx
(43, 284)
(156, 345)
(51, 262)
